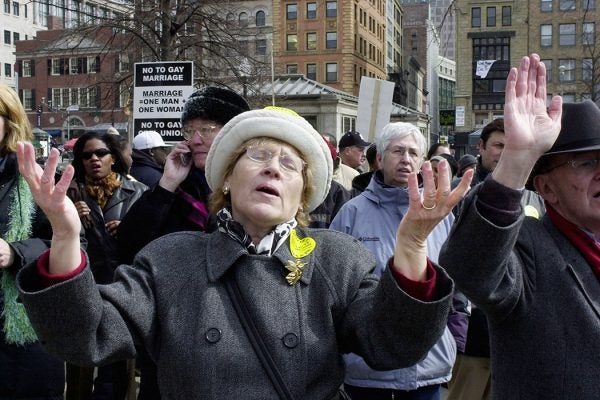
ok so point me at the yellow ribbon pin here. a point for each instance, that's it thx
(300, 248)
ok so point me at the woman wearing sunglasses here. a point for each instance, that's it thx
(102, 195)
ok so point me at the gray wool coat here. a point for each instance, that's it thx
(542, 301)
(173, 302)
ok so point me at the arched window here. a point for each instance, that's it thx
(243, 19)
(260, 18)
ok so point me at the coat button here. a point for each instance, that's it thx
(290, 340)
(213, 335)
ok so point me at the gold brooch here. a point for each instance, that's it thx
(296, 269)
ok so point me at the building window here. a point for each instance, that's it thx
(546, 35)
(243, 19)
(311, 41)
(123, 96)
(566, 5)
(7, 70)
(491, 16)
(56, 66)
(292, 42)
(123, 62)
(587, 69)
(7, 6)
(331, 41)
(589, 34)
(260, 18)
(28, 99)
(491, 49)
(16, 8)
(93, 64)
(331, 72)
(588, 5)
(291, 68)
(546, 5)
(292, 11)
(27, 69)
(566, 70)
(548, 64)
(311, 71)
(311, 10)
(331, 9)
(475, 17)
(566, 35)
(73, 66)
(16, 36)
(568, 97)
(506, 16)
(261, 47)
(6, 37)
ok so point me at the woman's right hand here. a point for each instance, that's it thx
(52, 198)
(177, 167)
(84, 213)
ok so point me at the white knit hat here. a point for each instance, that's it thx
(276, 124)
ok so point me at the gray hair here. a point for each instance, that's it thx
(399, 130)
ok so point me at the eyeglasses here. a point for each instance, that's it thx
(264, 155)
(206, 132)
(401, 151)
(580, 165)
(86, 155)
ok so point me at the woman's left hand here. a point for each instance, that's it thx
(52, 198)
(424, 213)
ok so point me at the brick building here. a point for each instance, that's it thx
(69, 84)
(335, 42)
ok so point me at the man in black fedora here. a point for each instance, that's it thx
(537, 280)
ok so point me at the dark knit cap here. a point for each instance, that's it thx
(215, 104)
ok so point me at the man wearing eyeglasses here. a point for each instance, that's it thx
(180, 199)
(537, 280)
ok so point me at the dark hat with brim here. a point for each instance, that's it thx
(580, 131)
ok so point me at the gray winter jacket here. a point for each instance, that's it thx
(173, 302)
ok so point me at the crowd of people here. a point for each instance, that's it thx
(259, 258)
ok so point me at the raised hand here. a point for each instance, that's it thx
(177, 167)
(52, 199)
(530, 127)
(425, 211)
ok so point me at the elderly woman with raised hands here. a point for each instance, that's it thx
(262, 308)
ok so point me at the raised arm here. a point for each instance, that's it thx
(424, 213)
(530, 127)
(52, 198)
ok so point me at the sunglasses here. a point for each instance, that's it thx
(86, 155)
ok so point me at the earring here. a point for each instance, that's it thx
(226, 190)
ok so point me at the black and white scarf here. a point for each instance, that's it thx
(267, 245)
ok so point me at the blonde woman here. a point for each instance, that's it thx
(26, 371)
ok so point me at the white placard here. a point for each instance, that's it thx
(374, 107)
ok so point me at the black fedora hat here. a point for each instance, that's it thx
(580, 131)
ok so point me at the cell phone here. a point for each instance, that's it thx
(185, 158)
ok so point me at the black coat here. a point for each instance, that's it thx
(102, 247)
(26, 372)
(157, 213)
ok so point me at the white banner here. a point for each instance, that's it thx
(483, 67)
